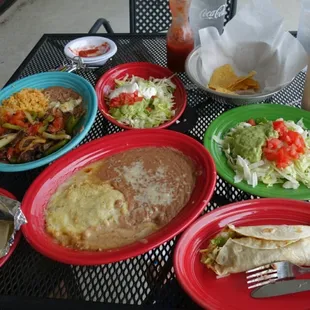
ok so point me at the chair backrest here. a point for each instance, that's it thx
(153, 16)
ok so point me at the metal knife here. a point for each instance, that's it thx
(281, 288)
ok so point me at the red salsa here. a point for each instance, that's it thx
(94, 51)
(177, 54)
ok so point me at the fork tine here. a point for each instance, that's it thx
(262, 283)
(258, 274)
(264, 277)
(259, 268)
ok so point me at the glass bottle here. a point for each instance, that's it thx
(180, 39)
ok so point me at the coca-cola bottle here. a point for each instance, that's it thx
(207, 13)
(180, 39)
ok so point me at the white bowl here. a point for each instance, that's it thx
(193, 67)
(72, 48)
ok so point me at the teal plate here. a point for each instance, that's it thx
(230, 119)
(48, 79)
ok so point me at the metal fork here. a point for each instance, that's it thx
(272, 272)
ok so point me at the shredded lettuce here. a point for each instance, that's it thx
(266, 171)
(152, 111)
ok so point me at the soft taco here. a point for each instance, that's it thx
(237, 249)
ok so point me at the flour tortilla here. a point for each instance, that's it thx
(274, 232)
(235, 257)
(263, 245)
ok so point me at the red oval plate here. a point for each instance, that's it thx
(232, 292)
(5, 193)
(45, 185)
(144, 70)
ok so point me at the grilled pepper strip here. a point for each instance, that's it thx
(29, 117)
(48, 119)
(42, 128)
(12, 127)
(4, 140)
(55, 147)
(71, 123)
(55, 137)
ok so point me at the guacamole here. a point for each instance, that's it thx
(248, 142)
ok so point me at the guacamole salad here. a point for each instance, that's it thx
(270, 152)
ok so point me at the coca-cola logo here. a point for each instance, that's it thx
(205, 14)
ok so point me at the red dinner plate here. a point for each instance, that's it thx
(5, 193)
(144, 70)
(45, 185)
(231, 292)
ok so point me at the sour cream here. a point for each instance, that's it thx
(128, 88)
(147, 92)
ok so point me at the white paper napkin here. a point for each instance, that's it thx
(254, 40)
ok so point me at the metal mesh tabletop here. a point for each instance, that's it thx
(148, 279)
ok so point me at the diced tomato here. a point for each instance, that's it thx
(58, 122)
(251, 122)
(115, 102)
(286, 138)
(10, 153)
(6, 117)
(18, 118)
(280, 127)
(298, 141)
(270, 154)
(33, 129)
(19, 115)
(292, 151)
(286, 148)
(283, 159)
(274, 143)
(125, 99)
(294, 138)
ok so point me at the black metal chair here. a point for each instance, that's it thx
(153, 16)
(101, 22)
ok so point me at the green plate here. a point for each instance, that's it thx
(231, 118)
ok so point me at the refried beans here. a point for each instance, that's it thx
(146, 187)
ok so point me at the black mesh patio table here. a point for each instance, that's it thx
(148, 280)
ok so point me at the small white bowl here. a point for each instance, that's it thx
(73, 47)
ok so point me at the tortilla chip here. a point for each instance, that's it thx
(241, 86)
(241, 79)
(223, 90)
(223, 77)
(252, 83)
(246, 85)
(225, 80)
